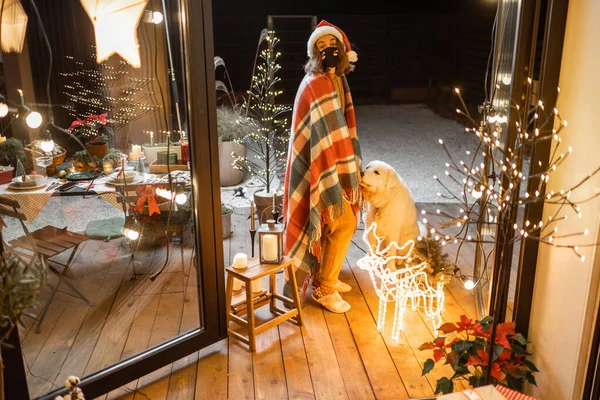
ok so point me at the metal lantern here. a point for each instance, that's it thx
(270, 242)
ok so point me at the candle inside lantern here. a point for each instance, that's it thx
(107, 167)
(252, 214)
(269, 247)
(2, 139)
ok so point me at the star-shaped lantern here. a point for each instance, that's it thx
(115, 23)
(14, 26)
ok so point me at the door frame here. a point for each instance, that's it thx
(201, 111)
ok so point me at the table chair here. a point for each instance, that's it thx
(42, 246)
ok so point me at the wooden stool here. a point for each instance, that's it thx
(253, 301)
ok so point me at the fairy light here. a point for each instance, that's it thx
(409, 284)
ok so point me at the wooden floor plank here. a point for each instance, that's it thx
(327, 379)
(212, 374)
(351, 365)
(268, 369)
(383, 375)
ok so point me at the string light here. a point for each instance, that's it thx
(408, 284)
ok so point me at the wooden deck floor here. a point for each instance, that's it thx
(332, 357)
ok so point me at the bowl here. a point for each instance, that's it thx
(128, 178)
(28, 180)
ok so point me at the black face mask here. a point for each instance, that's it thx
(329, 57)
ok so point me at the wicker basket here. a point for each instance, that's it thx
(56, 160)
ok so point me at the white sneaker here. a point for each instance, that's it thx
(342, 287)
(333, 302)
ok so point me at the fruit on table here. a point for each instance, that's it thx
(62, 174)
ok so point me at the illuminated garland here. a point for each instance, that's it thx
(409, 283)
(269, 132)
(489, 185)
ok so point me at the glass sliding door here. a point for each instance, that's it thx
(116, 201)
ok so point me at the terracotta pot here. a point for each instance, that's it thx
(99, 149)
(6, 175)
(264, 205)
(226, 220)
(229, 175)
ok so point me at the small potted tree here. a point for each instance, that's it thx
(268, 127)
(226, 213)
(231, 134)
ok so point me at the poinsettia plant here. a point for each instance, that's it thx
(465, 349)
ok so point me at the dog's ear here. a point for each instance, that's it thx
(391, 179)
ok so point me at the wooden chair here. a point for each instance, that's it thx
(173, 224)
(42, 246)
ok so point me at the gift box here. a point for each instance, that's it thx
(486, 393)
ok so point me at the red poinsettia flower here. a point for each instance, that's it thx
(438, 354)
(465, 323)
(440, 342)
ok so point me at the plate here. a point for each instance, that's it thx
(80, 176)
(12, 186)
(135, 181)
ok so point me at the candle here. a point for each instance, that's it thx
(237, 285)
(108, 167)
(256, 285)
(252, 214)
(240, 261)
(136, 152)
(274, 201)
(2, 139)
(151, 139)
(269, 247)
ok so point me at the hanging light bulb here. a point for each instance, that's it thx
(157, 17)
(34, 119)
(131, 234)
(469, 284)
(3, 110)
(47, 145)
(181, 198)
(476, 194)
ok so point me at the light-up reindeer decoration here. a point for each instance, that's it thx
(408, 283)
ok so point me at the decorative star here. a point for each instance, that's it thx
(14, 26)
(115, 23)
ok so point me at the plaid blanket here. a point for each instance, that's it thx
(323, 168)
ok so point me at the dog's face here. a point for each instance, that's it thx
(377, 179)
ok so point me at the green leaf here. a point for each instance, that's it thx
(461, 346)
(530, 378)
(521, 339)
(531, 366)
(444, 385)
(428, 366)
(497, 351)
(514, 383)
(487, 320)
(476, 381)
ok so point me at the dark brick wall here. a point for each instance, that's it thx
(401, 57)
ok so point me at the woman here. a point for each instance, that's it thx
(322, 195)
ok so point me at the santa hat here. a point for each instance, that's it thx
(325, 28)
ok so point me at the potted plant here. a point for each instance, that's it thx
(97, 146)
(226, 213)
(231, 135)
(466, 351)
(19, 285)
(269, 132)
(92, 130)
(11, 150)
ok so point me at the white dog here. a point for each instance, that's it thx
(389, 203)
